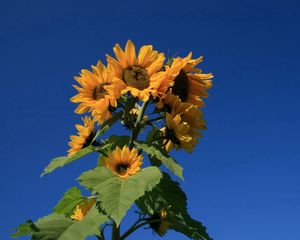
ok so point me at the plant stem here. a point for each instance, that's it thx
(138, 127)
(115, 231)
(141, 113)
(137, 226)
(155, 119)
(134, 134)
(132, 138)
(158, 138)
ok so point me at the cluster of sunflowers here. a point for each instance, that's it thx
(177, 89)
(143, 92)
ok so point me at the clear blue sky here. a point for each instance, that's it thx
(242, 180)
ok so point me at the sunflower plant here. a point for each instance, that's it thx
(159, 102)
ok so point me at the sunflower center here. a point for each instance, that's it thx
(170, 134)
(122, 168)
(89, 139)
(155, 225)
(137, 77)
(99, 92)
(168, 108)
(181, 86)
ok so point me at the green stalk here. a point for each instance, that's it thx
(136, 227)
(141, 113)
(135, 132)
(155, 119)
(115, 235)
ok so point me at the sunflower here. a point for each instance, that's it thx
(186, 81)
(160, 227)
(189, 113)
(82, 209)
(184, 121)
(140, 75)
(172, 103)
(178, 134)
(86, 133)
(170, 74)
(97, 93)
(123, 162)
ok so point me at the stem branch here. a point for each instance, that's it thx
(134, 134)
(141, 113)
(136, 226)
(138, 126)
(115, 231)
(155, 119)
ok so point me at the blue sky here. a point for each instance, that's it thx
(242, 180)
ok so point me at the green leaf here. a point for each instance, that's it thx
(193, 229)
(168, 194)
(152, 134)
(58, 227)
(87, 227)
(118, 195)
(154, 161)
(51, 227)
(154, 151)
(119, 141)
(107, 124)
(69, 201)
(62, 161)
(23, 229)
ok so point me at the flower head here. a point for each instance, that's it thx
(162, 225)
(177, 133)
(183, 123)
(138, 74)
(123, 162)
(97, 93)
(186, 81)
(82, 209)
(85, 135)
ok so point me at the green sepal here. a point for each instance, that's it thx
(130, 104)
(154, 151)
(118, 195)
(69, 202)
(129, 119)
